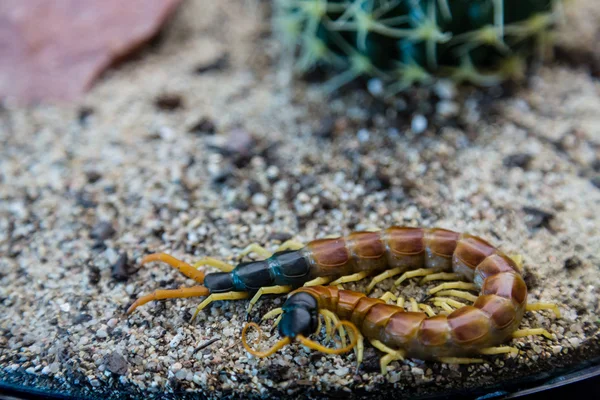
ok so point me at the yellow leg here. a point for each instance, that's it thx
(273, 313)
(256, 248)
(290, 245)
(441, 276)
(400, 302)
(544, 306)
(532, 331)
(444, 306)
(267, 290)
(458, 293)
(500, 350)
(453, 285)
(387, 296)
(383, 276)
(219, 296)
(391, 355)
(427, 309)
(449, 301)
(213, 262)
(414, 307)
(359, 349)
(414, 273)
(334, 318)
(460, 360)
(328, 325)
(324, 280)
(276, 322)
(518, 259)
(350, 278)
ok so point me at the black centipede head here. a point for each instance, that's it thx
(300, 316)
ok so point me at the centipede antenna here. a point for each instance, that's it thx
(276, 347)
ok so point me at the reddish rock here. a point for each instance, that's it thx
(54, 50)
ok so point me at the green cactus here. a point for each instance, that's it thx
(406, 42)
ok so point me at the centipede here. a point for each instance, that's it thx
(429, 253)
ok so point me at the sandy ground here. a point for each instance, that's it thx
(133, 169)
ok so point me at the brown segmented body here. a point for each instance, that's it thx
(496, 313)
(409, 248)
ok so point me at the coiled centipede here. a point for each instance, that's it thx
(415, 252)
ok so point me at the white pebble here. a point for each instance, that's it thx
(112, 322)
(176, 367)
(447, 108)
(342, 371)
(445, 89)
(30, 370)
(101, 333)
(66, 307)
(181, 374)
(575, 342)
(46, 370)
(375, 86)
(54, 367)
(395, 377)
(260, 200)
(363, 135)
(418, 124)
(176, 340)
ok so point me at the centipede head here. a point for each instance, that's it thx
(300, 319)
(300, 316)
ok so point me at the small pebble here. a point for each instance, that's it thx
(176, 367)
(181, 374)
(375, 86)
(101, 333)
(418, 124)
(260, 200)
(102, 230)
(342, 371)
(116, 363)
(363, 135)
